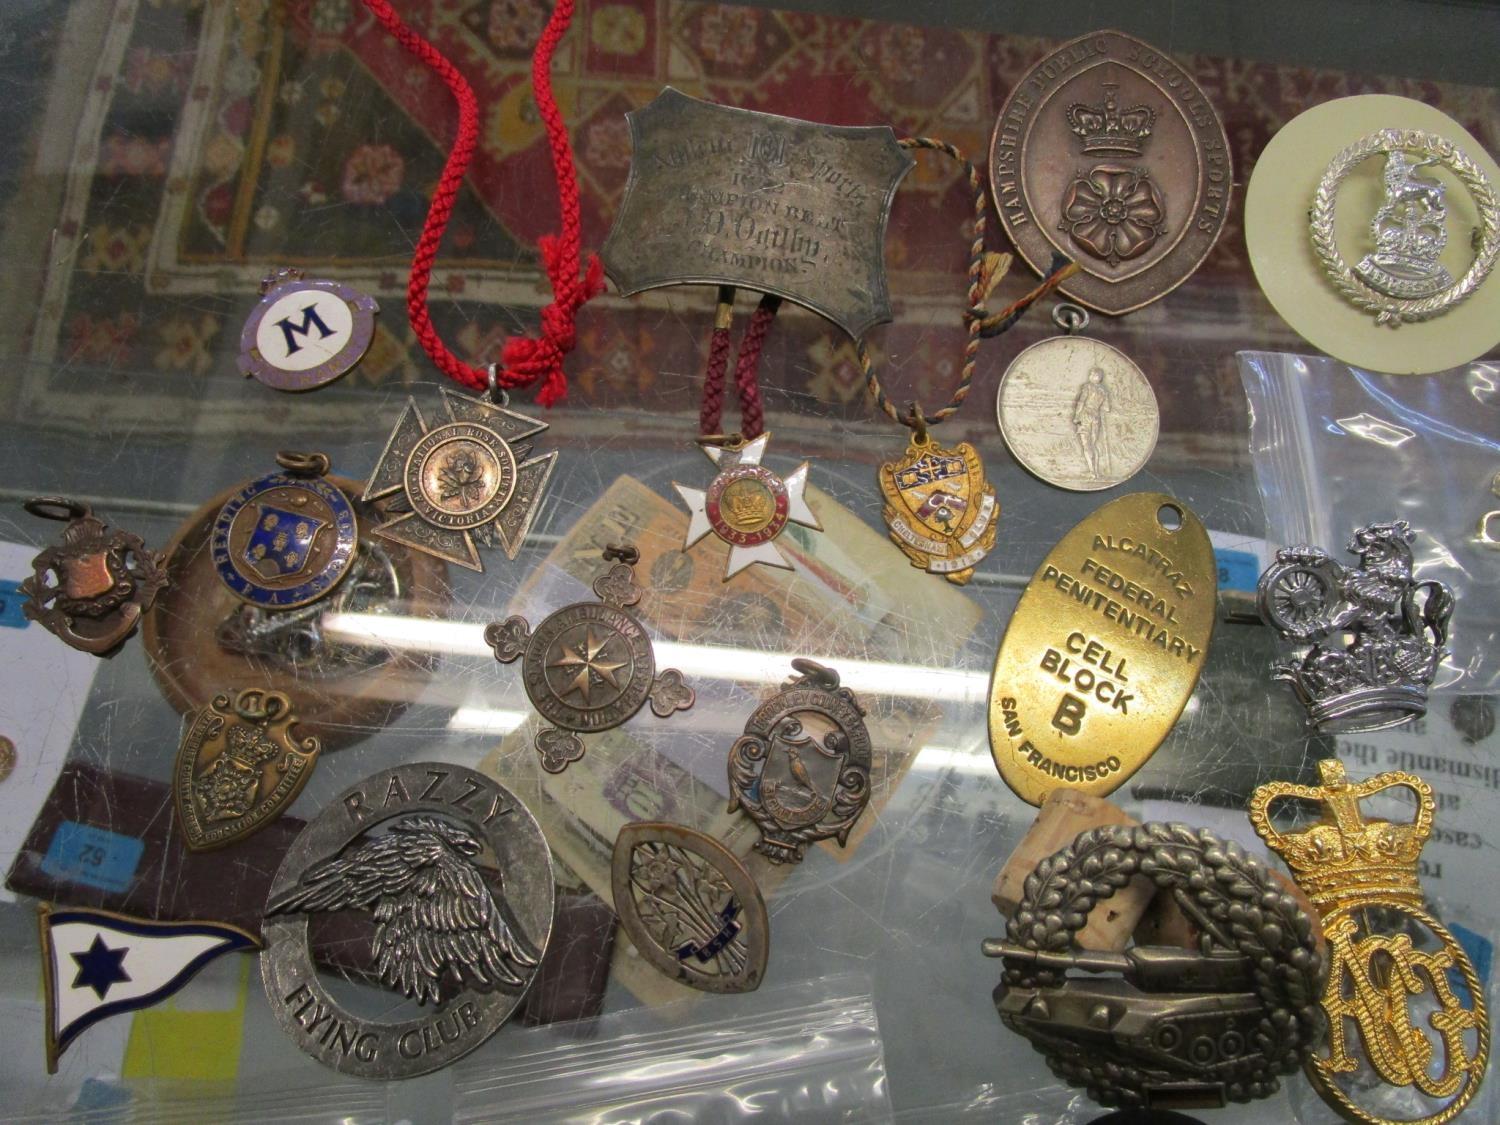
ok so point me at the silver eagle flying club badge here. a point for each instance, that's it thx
(469, 478)
(801, 770)
(454, 880)
(590, 666)
(305, 333)
(747, 505)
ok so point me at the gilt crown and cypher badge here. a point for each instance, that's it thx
(1346, 855)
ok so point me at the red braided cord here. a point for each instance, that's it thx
(713, 382)
(746, 367)
(526, 359)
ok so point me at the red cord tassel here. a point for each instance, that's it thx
(525, 359)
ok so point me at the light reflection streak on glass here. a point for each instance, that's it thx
(944, 685)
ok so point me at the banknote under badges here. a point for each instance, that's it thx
(589, 666)
(801, 770)
(91, 587)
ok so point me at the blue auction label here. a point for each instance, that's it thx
(1481, 954)
(93, 856)
(1238, 570)
(11, 598)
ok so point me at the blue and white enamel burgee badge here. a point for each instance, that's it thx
(288, 538)
(96, 964)
(305, 333)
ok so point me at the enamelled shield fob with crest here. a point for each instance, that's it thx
(939, 508)
(747, 505)
(1107, 152)
(239, 767)
(589, 666)
(304, 334)
(467, 479)
(90, 589)
(689, 907)
(285, 539)
(454, 882)
(802, 768)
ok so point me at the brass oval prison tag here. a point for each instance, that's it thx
(1104, 648)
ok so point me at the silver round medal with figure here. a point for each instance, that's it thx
(589, 666)
(452, 878)
(802, 768)
(1076, 412)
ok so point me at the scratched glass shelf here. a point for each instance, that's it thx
(167, 156)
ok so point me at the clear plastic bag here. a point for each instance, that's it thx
(1336, 448)
(809, 1052)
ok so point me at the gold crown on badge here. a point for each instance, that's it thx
(1107, 128)
(1346, 856)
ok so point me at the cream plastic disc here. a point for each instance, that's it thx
(1280, 243)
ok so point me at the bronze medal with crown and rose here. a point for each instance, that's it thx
(1109, 153)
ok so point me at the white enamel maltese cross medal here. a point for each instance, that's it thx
(467, 479)
(747, 505)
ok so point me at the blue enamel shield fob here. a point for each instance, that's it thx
(285, 539)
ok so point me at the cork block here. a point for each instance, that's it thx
(1063, 815)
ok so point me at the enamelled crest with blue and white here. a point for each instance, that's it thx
(98, 964)
(284, 540)
(304, 334)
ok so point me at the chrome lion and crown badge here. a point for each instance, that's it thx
(1398, 627)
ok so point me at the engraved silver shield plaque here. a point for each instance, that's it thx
(721, 196)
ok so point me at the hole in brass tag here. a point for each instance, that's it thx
(1170, 517)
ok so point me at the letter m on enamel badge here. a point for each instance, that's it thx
(97, 964)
